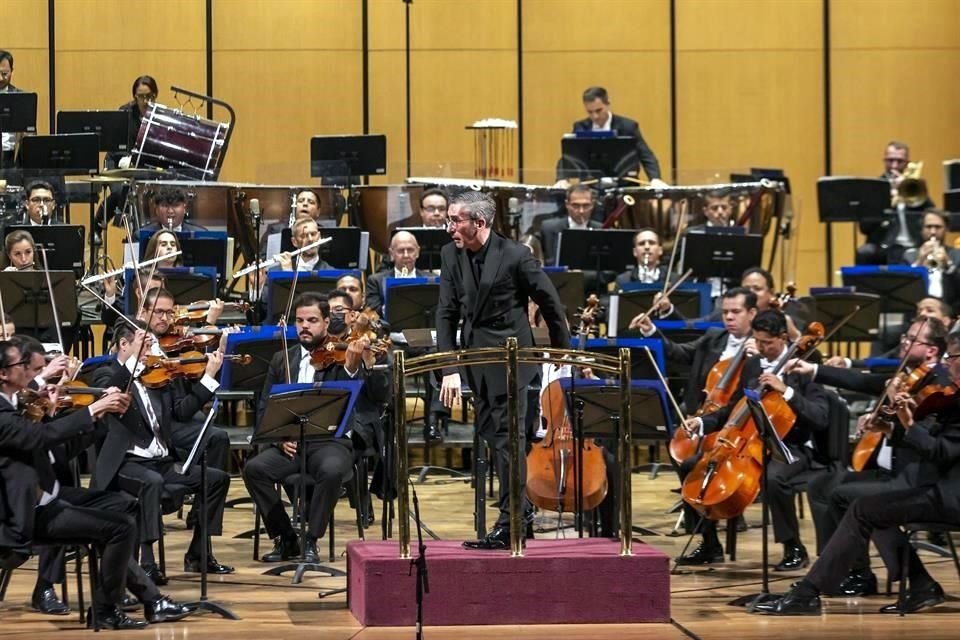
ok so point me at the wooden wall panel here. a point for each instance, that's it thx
(568, 47)
(25, 37)
(291, 69)
(749, 94)
(387, 87)
(893, 82)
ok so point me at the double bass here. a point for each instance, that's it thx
(726, 480)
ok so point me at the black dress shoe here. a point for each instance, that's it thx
(46, 601)
(114, 618)
(794, 558)
(284, 548)
(703, 554)
(192, 565)
(431, 432)
(498, 539)
(310, 554)
(130, 603)
(790, 604)
(153, 572)
(916, 599)
(858, 584)
(165, 610)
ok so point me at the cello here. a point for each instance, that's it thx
(726, 480)
(553, 474)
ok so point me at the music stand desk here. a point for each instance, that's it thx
(411, 303)
(570, 288)
(641, 368)
(29, 302)
(431, 241)
(111, 127)
(63, 243)
(70, 154)
(596, 249)
(864, 326)
(279, 283)
(348, 250)
(900, 287)
(187, 284)
(724, 256)
(261, 344)
(649, 413)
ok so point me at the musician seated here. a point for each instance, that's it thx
(170, 212)
(306, 203)
(404, 251)
(718, 212)
(139, 456)
(760, 281)
(116, 304)
(41, 205)
(940, 260)
(354, 286)
(433, 208)
(580, 204)
(20, 251)
(648, 252)
(878, 514)
(329, 462)
(808, 401)
(305, 231)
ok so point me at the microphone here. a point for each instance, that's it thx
(513, 206)
(255, 209)
(170, 223)
(44, 216)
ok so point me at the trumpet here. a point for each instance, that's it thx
(266, 264)
(912, 190)
(129, 265)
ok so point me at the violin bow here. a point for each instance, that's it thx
(286, 315)
(681, 229)
(666, 387)
(900, 367)
(53, 302)
(136, 265)
(3, 323)
(664, 294)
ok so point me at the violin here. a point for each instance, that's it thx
(334, 350)
(159, 370)
(197, 311)
(72, 395)
(180, 338)
(932, 394)
(726, 480)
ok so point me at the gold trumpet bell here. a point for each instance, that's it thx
(912, 190)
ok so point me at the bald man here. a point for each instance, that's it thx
(404, 252)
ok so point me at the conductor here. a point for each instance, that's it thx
(486, 280)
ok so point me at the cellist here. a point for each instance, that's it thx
(831, 494)
(808, 401)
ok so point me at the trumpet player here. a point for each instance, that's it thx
(939, 260)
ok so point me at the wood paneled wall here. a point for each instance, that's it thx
(749, 77)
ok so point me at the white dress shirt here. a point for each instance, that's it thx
(606, 126)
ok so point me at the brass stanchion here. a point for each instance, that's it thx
(623, 457)
(400, 446)
(513, 423)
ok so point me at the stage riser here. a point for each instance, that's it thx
(556, 582)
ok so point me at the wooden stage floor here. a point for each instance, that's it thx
(272, 608)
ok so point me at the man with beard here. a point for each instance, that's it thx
(329, 462)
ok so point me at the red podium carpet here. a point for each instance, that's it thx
(573, 581)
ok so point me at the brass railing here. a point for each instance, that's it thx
(511, 356)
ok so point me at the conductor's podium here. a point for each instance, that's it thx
(577, 581)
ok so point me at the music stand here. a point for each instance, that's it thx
(951, 204)
(900, 287)
(199, 449)
(411, 303)
(63, 244)
(726, 259)
(640, 368)
(29, 303)
(111, 127)
(690, 300)
(599, 413)
(570, 288)
(830, 308)
(431, 241)
(187, 284)
(307, 413)
(596, 249)
(348, 250)
(847, 199)
(200, 248)
(71, 154)
(951, 174)
(348, 156)
(18, 114)
(592, 157)
(279, 283)
(261, 345)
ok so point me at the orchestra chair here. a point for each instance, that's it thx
(909, 530)
(834, 442)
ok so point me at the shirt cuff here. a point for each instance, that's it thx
(41, 383)
(788, 394)
(648, 334)
(210, 383)
(352, 374)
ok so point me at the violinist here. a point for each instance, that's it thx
(33, 458)
(831, 494)
(808, 401)
(138, 455)
(329, 462)
(933, 498)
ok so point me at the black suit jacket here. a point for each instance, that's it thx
(374, 394)
(176, 401)
(550, 231)
(809, 403)
(23, 462)
(376, 288)
(700, 355)
(497, 308)
(939, 448)
(627, 127)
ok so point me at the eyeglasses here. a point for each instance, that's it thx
(22, 363)
(145, 97)
(951, 356)
(40, 200)
(165, 313)
(907, 339)
(455, 222)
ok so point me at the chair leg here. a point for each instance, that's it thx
(732, 539)
(904, 570)
(800, 504)
(80, 602)
(93, 588)
(360, 498)
(330, 534)
(953, 551)
(256, 533)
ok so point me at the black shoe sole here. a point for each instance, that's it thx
(925, 604)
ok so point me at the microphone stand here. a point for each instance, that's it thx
(257, 220)
(420, 563)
